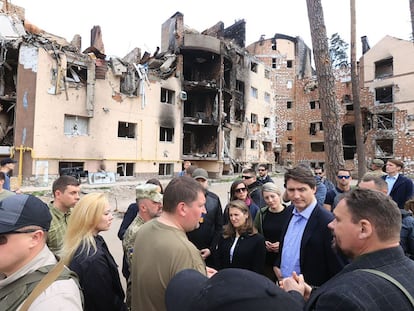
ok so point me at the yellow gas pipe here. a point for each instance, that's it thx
(21, 149)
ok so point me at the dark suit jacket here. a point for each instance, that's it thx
(402, 190)
(209, 232)
(318, 261)
(358, 290)
(249, 253)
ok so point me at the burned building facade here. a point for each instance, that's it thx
(202, 96)
(387, 75)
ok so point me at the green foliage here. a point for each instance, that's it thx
(338, 51)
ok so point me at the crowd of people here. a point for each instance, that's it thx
(314, 245)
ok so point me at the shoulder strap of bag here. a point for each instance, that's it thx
(48, 279)
(393, 281)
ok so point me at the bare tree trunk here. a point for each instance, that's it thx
(355, 96)
(334, 157)
(412, 19)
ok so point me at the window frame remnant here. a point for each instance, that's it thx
(127, 130)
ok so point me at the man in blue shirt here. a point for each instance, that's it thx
(400, 188)
(306, 242)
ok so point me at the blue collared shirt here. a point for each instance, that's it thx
(291, 244)
(391, 181)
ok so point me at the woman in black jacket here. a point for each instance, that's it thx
(270, 221)
(241, 246)
(86, 253)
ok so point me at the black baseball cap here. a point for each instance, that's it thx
(21, 210)
(7, 161)
(228, 290)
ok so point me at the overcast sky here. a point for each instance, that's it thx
(127, 24)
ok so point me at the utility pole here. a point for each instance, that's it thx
(355, 98)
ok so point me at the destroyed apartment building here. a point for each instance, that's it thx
(84, 113)
(202, 96)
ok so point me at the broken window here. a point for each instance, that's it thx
(289, 64)
(385, 121)
(165, 169)
(274, 62)
(317, 146)
(200, 140)
(74, 169)
(126, 129)
(289, 148)
(289, 104)
(267, 97)
(253, 92)
(314, 104)
(253, 144)
(239, 142)
(348, 141)
(253, 67)
(384, 68)
(312, 129)
(267, 146)
(75, 125)
(253, 118)
(267, 74)
(199, 65)
(315, 127)
(289, 126)
(383, 95)
(274, 44)
(266, 122)
(166, 134)
(384, 148)
(125, 169)
(167, 96)
(76, 73)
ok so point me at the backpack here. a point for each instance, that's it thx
(14, 294)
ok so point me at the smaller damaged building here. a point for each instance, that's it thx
(199, 97)
(387, 74)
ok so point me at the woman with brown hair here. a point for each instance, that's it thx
(238, 191)
(240, 246)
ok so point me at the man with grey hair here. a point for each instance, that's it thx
(367, 229)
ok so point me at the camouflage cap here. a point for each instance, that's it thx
(378, 162)
(148, 191)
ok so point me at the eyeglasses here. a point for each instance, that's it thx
(343, 176)
(3, 236)
(240, 190)
(247, 177)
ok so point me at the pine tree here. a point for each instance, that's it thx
(338, 51)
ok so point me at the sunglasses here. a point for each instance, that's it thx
(318, 173)
(3, 236)
(247, 177)
(240, 190)
(343, 176)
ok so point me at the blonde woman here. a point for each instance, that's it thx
(270, 221)
(86, 253)
(241, 246)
